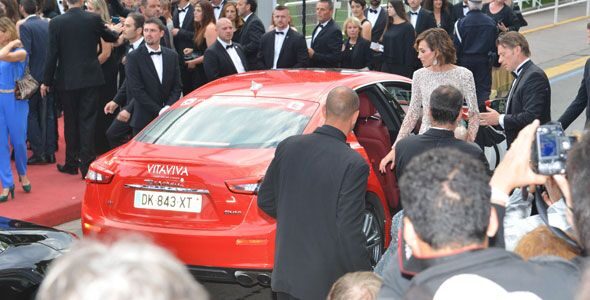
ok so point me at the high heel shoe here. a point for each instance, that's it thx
(26, 187)
(3, 198)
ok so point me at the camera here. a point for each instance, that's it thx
(550, 149)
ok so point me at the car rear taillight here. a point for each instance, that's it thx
(248, 186)
(98, 175)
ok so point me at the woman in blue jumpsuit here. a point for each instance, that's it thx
(13, 113)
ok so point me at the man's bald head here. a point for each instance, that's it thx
(341, 104)
(225, 30)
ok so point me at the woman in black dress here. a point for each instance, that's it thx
(442, 14)
(356, 51)
(399, 55)
(205, 36)
(357, 9)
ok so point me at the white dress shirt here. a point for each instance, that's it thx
(135, 44)
(182, 14)
(413, 17)
(217, 10)
(279, 40)
(246, 17)
(518, 71)
(372, 17)
(158, 62)
(233, 54)
(465, 8)
(319, 28)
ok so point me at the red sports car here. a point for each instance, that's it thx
(190, 178)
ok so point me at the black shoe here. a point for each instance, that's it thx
(36, 160)
(68, 169)
(50, 158)
(84, 170)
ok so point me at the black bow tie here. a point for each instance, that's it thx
(216, 7)
(279, 32)
(465, 6)
(373, 11)
(413, 13)
(156, 53)
(229, 46)
(182, 10)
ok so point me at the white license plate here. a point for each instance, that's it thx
(168, 201)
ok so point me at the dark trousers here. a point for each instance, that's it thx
(41, 130)
(187, 77)
(79, 108)
(482, 75)
(285, 296)
(118, 133)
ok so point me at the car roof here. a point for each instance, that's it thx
(302, 84)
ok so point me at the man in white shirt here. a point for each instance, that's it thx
(224, 57)
(421, 18)
(218, 6)
(252, 31)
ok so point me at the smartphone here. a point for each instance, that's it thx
(115, 20)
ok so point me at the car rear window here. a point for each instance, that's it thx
(230, 123)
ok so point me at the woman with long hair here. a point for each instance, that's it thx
(357, 8)
(436, 51)
(205, 36)
(230, 11)
(13, 112)
(356, 51)
(442, 14)
(109, 64)
(399, 56)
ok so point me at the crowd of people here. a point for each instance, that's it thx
(112, 67)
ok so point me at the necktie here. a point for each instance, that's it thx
(156, 53)
(279, 32)
(229, 46)
(413, 13)
(373, 11)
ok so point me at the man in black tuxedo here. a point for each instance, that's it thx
(582, 100)
(119, 131)
(378, 18)
(318, 206)
(41, 121)
(421, 18)
(73, 62)
(326, 40)
(153, 77)
(459, 10)
(183, 34)
(530, 94)
(446, 103)
(283, 47)
(252, 31)
(218, 6)
(224, 57)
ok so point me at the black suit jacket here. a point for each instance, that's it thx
(327, 47)
(218, 63)
(144, 87)
(408, 148)
(530, 100)
(379, 26)
(293, 52)
(73, 40)
(184, 37)
(121, 96)
(34, 36)
(315, 187)
(457, 12)
(425, 20)
(250, 35)
(360, 56)
(581, 102)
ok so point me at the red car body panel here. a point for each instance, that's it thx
(230, 231)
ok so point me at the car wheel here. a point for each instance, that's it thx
(373, 230)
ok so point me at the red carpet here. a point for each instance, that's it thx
(55, 197)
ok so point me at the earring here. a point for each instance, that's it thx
(435, 62)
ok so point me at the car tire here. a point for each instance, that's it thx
(374, 230)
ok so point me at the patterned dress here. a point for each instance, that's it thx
(424, 82)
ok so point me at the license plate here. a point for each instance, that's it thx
(168, 201)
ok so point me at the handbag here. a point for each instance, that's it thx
(26, 86)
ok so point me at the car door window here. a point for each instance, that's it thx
(400, 91)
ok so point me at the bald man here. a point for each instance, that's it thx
(315, 188)
(224, 57)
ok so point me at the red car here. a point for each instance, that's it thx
(190, 178)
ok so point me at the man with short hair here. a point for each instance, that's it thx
(447, 219)
(318, 205)
(377, 16)
(530, 94)
(283, 47)
(421, 18)
(41, 131)
(153, 77)
(326, 39)
(224, 57)
(446, 103)
(252, 31)
(74, 38)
